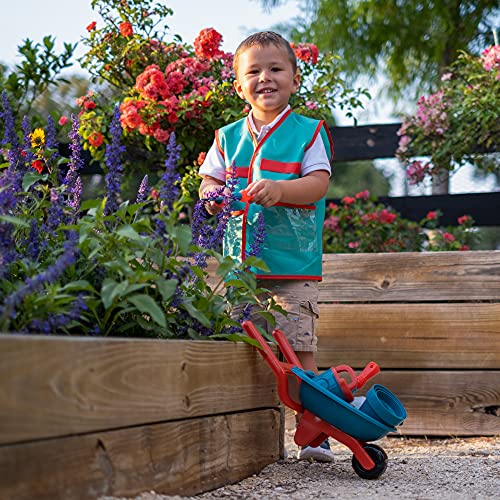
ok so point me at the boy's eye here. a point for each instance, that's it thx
(275, 68)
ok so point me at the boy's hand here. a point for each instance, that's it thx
(265, 192)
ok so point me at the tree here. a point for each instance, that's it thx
(411, 42)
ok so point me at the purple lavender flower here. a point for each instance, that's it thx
(76, 195)
(143, 190)
(58, 322)
(56, 215)
(259, 235)
(51, 142)
(169, 189)
(33, 241)
(113, 155)
(75, 161)
(8, 198)
(10, 136)
(53, 273)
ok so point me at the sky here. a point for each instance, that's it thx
(66, 20)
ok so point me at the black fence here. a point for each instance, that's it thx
(370, 142)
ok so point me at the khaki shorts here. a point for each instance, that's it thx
(300, 300)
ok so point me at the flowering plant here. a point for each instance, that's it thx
(459, 123)
(360, 225)
(104, 266)
(175, 87)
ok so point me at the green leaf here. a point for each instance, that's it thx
(31, 178)
(166, 287)
(127, 231)
(14, 220)
(147, 305)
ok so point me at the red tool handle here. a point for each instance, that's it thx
(371, 369)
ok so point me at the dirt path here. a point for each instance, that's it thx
(443, 469)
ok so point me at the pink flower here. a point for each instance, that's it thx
(353, 244)
(161, 135)
(63, 120)
(386, 217)
(491, 59)
(363, 195)
(348, 200)
(126, 29)
(311, 105)
(464, 219)
(448, 237)
(431, 215)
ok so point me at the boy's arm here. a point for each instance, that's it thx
(308, 189)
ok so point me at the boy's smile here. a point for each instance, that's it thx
(265, 79)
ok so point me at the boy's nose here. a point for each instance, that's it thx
(264, 76)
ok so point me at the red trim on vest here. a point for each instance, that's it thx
(316, 132)
(217, 141)
(292, 205)
(287, 277)
(332, 148)
(280, 166)
(241, 172)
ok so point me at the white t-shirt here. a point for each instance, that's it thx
(315, 158)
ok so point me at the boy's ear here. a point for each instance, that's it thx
(238, 89)
(296, 81)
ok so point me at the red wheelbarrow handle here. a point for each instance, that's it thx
(280, 370)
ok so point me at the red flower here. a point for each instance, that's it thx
(448, 237)
(63, 120)
(464, 248)
(91, 26)
(126, 29)
(38, 166)
(431, 216)
(307, 52)
(463, 220)
(207, 43)
(348, 200)
(95, 139)
(88, 105)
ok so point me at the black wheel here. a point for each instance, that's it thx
(378, 455)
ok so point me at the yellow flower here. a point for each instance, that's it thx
(38, 138)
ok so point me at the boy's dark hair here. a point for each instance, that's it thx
(264, 39)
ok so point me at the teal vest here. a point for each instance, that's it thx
(292, 247)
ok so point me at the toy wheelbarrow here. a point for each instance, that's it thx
(326, 409)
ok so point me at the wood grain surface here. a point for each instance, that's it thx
(411, 277)
(56, 386)
(453, 335)
(184, 457)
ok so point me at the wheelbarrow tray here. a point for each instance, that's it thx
(337, 412)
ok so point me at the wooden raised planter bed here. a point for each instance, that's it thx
(431, 321)
(83, 417)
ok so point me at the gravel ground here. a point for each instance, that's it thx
(458, 468)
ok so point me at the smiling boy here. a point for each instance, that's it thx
(282, 160)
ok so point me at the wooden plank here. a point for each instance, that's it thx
(411, 277)
(56, 386)
(446, 403)
(445, 336)
(175, 458)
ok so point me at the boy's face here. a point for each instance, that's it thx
(265, 79)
